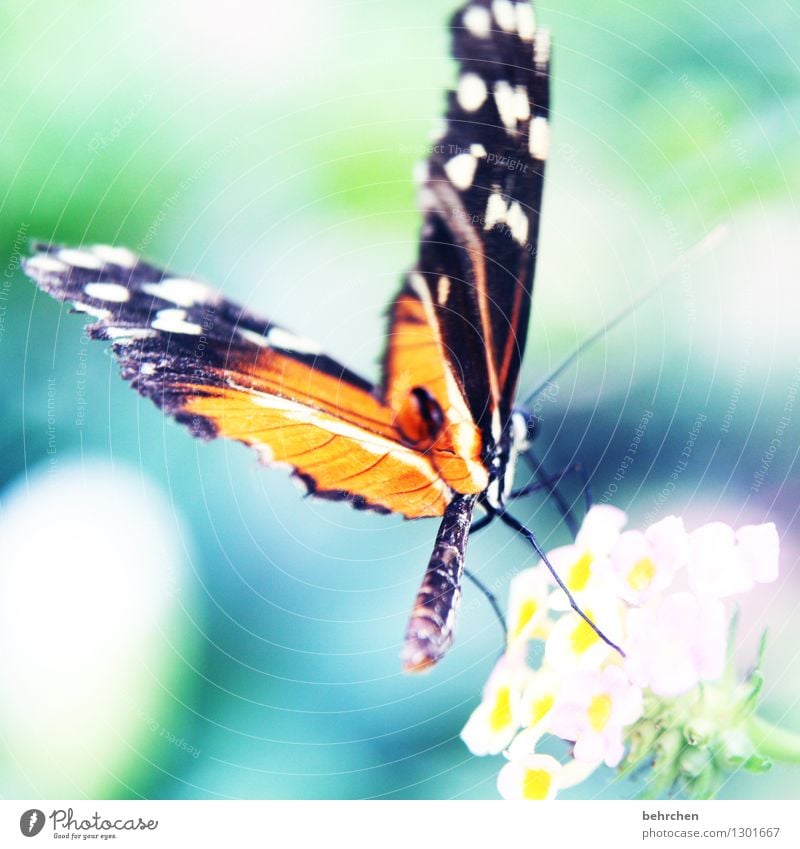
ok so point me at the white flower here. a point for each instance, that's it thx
(536, 704)
(724, 562)
(584, 565)
(573, 642)
(493, 724)
(645, 563)
(531, 777)
(593, 710)
(528, 606)
(535, 777)
(676, 643)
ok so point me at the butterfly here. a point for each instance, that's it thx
(439, 435)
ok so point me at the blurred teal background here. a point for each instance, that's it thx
(268, 148)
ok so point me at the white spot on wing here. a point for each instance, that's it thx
(539, 140)
(506, 102)
(517, 223)
(471, 92)
(43, 263)
(512, 215)
(495, 211)
(115, 256)
(251, 336)
(526, 21)
(460, 170)
(281, 338)
(183, 292)
(503, 11)
(174, 321)
(541, 50)
(478, 21)
(147, 369)
(80, 259)
(130, 333)
(521, 104)
(443, 290)
(477, 150)
(107, 292)
(97, 312)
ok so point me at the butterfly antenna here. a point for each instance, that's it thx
(509, 520)
(702, 247)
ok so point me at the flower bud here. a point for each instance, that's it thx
(699, 732)
(693, 761)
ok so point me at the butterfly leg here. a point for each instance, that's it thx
(490, 597)
(509, 520)
(430, 629)
(479, 525)
(550, 483)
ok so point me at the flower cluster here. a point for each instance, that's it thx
(659, 593)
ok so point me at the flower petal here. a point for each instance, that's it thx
(716, 567)
(600, 529)
(533, 777)
(759, 546)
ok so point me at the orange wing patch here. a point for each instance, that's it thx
(415, 360)
(339, 439)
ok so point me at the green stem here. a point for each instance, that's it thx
(772, 742)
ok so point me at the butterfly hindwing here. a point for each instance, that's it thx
(224, 372)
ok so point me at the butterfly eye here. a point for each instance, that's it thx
(420, 418)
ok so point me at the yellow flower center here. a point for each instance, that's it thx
(500, 716)
(583, 636)
(540, 708)
(580, 572)
(527, 611)
(640, 576)
(599, 711)
(536, 784)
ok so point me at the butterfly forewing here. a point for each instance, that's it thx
(225, 372)
(481, 197)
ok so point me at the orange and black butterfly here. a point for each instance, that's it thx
(439, 435)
